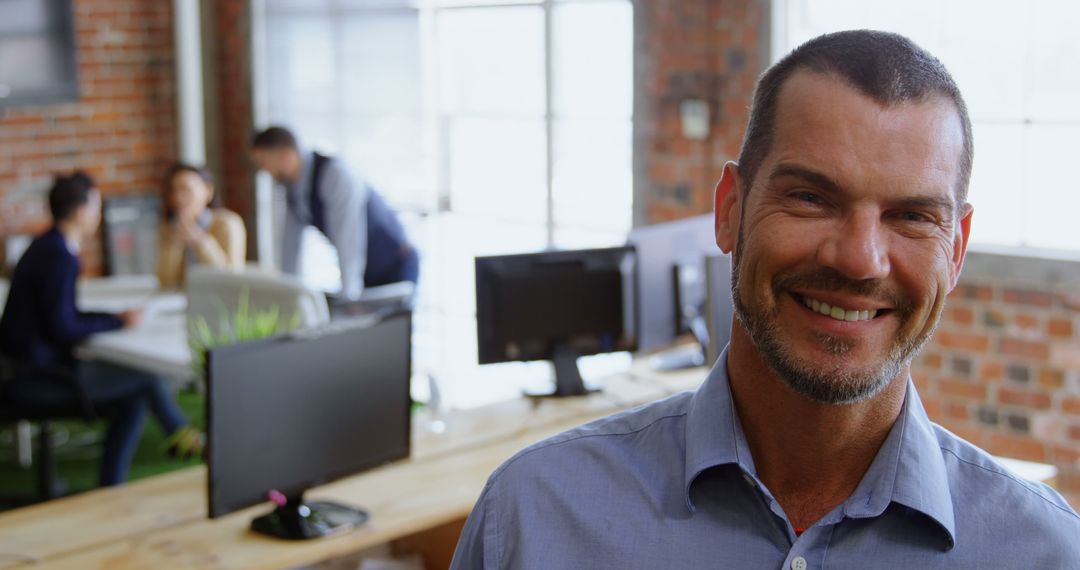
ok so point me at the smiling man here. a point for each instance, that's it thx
(807, 445)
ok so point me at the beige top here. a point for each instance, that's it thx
(223, 245)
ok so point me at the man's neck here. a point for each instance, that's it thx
(810, 455)
(73, 235)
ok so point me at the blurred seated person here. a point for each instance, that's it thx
(41, 326)
(194, 232)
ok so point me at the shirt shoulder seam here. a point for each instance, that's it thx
(1025, 485)
(549, 444)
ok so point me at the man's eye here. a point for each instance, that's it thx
(808, 197)
(913, 217)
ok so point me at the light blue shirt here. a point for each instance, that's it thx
(344, 198)
(673, 485)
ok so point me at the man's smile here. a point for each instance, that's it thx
(837, 312)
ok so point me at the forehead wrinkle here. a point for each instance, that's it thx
(860, 141)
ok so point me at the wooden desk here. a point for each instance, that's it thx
(161, 522)
(404, 499)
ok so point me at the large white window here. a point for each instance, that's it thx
(494, 127)
(1018, 66)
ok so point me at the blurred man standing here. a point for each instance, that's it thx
(371, 244)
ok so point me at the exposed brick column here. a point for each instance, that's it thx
(712, 50)
(235, 94)
(122, 130)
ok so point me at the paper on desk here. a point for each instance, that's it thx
(164, 304)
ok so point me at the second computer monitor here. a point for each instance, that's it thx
(556, 306)
(671, 258)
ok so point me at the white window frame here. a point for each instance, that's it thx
(427, 11)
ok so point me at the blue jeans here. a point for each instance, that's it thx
(121, 393)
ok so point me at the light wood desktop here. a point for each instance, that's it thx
(161, 522)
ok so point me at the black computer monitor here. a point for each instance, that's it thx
(289, 413)
(671, 259)
(556, 306)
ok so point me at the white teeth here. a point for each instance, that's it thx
(838, 313)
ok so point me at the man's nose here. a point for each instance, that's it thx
(857, 247)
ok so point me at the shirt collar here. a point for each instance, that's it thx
(714, 434)
(921, 481)
(908, 469)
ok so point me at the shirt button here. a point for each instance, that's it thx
(798, 563)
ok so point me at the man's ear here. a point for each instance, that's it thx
(960, 244)
(727, 206)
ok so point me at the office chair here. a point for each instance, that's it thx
(48, 486)
(130, 234)
(215, 295)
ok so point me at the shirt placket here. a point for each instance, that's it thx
(808, 551)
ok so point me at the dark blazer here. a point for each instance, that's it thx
(41, 324)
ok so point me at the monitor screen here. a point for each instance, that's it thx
(289, 413)
(672, 259)
(556, 305)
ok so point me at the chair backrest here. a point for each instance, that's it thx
(130, 233)
(216, 295)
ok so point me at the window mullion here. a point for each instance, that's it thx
(549, 120)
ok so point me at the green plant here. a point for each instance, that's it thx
(242, 326)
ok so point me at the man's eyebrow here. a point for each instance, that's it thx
(926, 202)
(805, 174)
(827, 184)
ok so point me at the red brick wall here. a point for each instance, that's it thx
(122, 130)
(234, 80)
(1003, 371)
(694, 49)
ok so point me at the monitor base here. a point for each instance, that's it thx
(536, 396)
(678, 358)
(297, 520)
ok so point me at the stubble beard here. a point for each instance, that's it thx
(835, 385)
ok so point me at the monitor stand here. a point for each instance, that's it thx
(295, 519)
(568, 380)
(685, 356)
